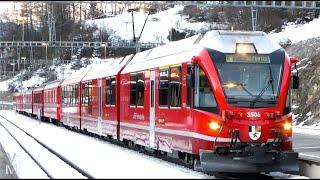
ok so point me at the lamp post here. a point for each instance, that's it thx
(21, 20)
(13, 69)
(46, 45)
(24, 62)
(105, 50)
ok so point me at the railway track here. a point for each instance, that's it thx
(26, 140)
(155, 154)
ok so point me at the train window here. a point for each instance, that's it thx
(205, 93)
(113, 91)
(287, 108)
(85, 94)
(110, 91)
(204, 98)
(74, 94)
(164, 87)
(140, 89)
(133, 89)
(175, 87)
(189, 84)
(137, 89)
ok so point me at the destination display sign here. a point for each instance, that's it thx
(248, 58)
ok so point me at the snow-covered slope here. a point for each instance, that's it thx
(297, 32)
(157, 26)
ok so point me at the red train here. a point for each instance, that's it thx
(219, 100)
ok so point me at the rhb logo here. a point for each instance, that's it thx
(254, 132)
(253, 114)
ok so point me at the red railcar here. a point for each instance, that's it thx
(71, 99)
(27, 102)
(221, 95)
(99, 109)
(18, 102)
(38, 101)
(52, 100)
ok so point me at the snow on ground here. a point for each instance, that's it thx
(298, 32)
(157, 26)
(24, 166)
(56, 168)
(99, 158)
(312, 130)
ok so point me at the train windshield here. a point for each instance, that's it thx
(250, 80)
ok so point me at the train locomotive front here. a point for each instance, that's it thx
(250, 77)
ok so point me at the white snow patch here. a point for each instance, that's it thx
(294, 106)
(308, 114)
(299, 32)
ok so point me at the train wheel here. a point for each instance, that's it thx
(197, 165)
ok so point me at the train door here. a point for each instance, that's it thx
(152, 109)
(99, 104)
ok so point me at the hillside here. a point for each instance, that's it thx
(307, 97)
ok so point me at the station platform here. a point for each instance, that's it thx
(7, 171)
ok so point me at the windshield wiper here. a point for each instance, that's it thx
(265, 88)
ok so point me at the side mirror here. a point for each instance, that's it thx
(295, 82)
(196, 59)
(294, 60)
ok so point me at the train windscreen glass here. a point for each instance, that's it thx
(250, 80)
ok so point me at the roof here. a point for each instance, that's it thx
(76, 77)
(111, 69)
(53, 84)
(223, 41)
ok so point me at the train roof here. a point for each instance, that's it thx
(183, 50)
(109, 69)
(53, 84)
(76, 77)
(225, 41)
(40, 88)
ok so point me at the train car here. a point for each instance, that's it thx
(38, 102)
(222, 98)
(27, 102)
(71, 99)
(18, 102)
(52, 101)
(99, 109)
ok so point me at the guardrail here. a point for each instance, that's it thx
(309, 166)
(6, 105)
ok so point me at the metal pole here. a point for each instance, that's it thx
(254, 18)
(105, 51)
(22, 30)
(134, 36)
(143, 26)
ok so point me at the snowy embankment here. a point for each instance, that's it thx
(297, 32)
(157, 26)
(99, 158)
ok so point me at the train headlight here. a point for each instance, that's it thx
(245, 48)
(287, 126)
(214, 126)
(230, 85)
